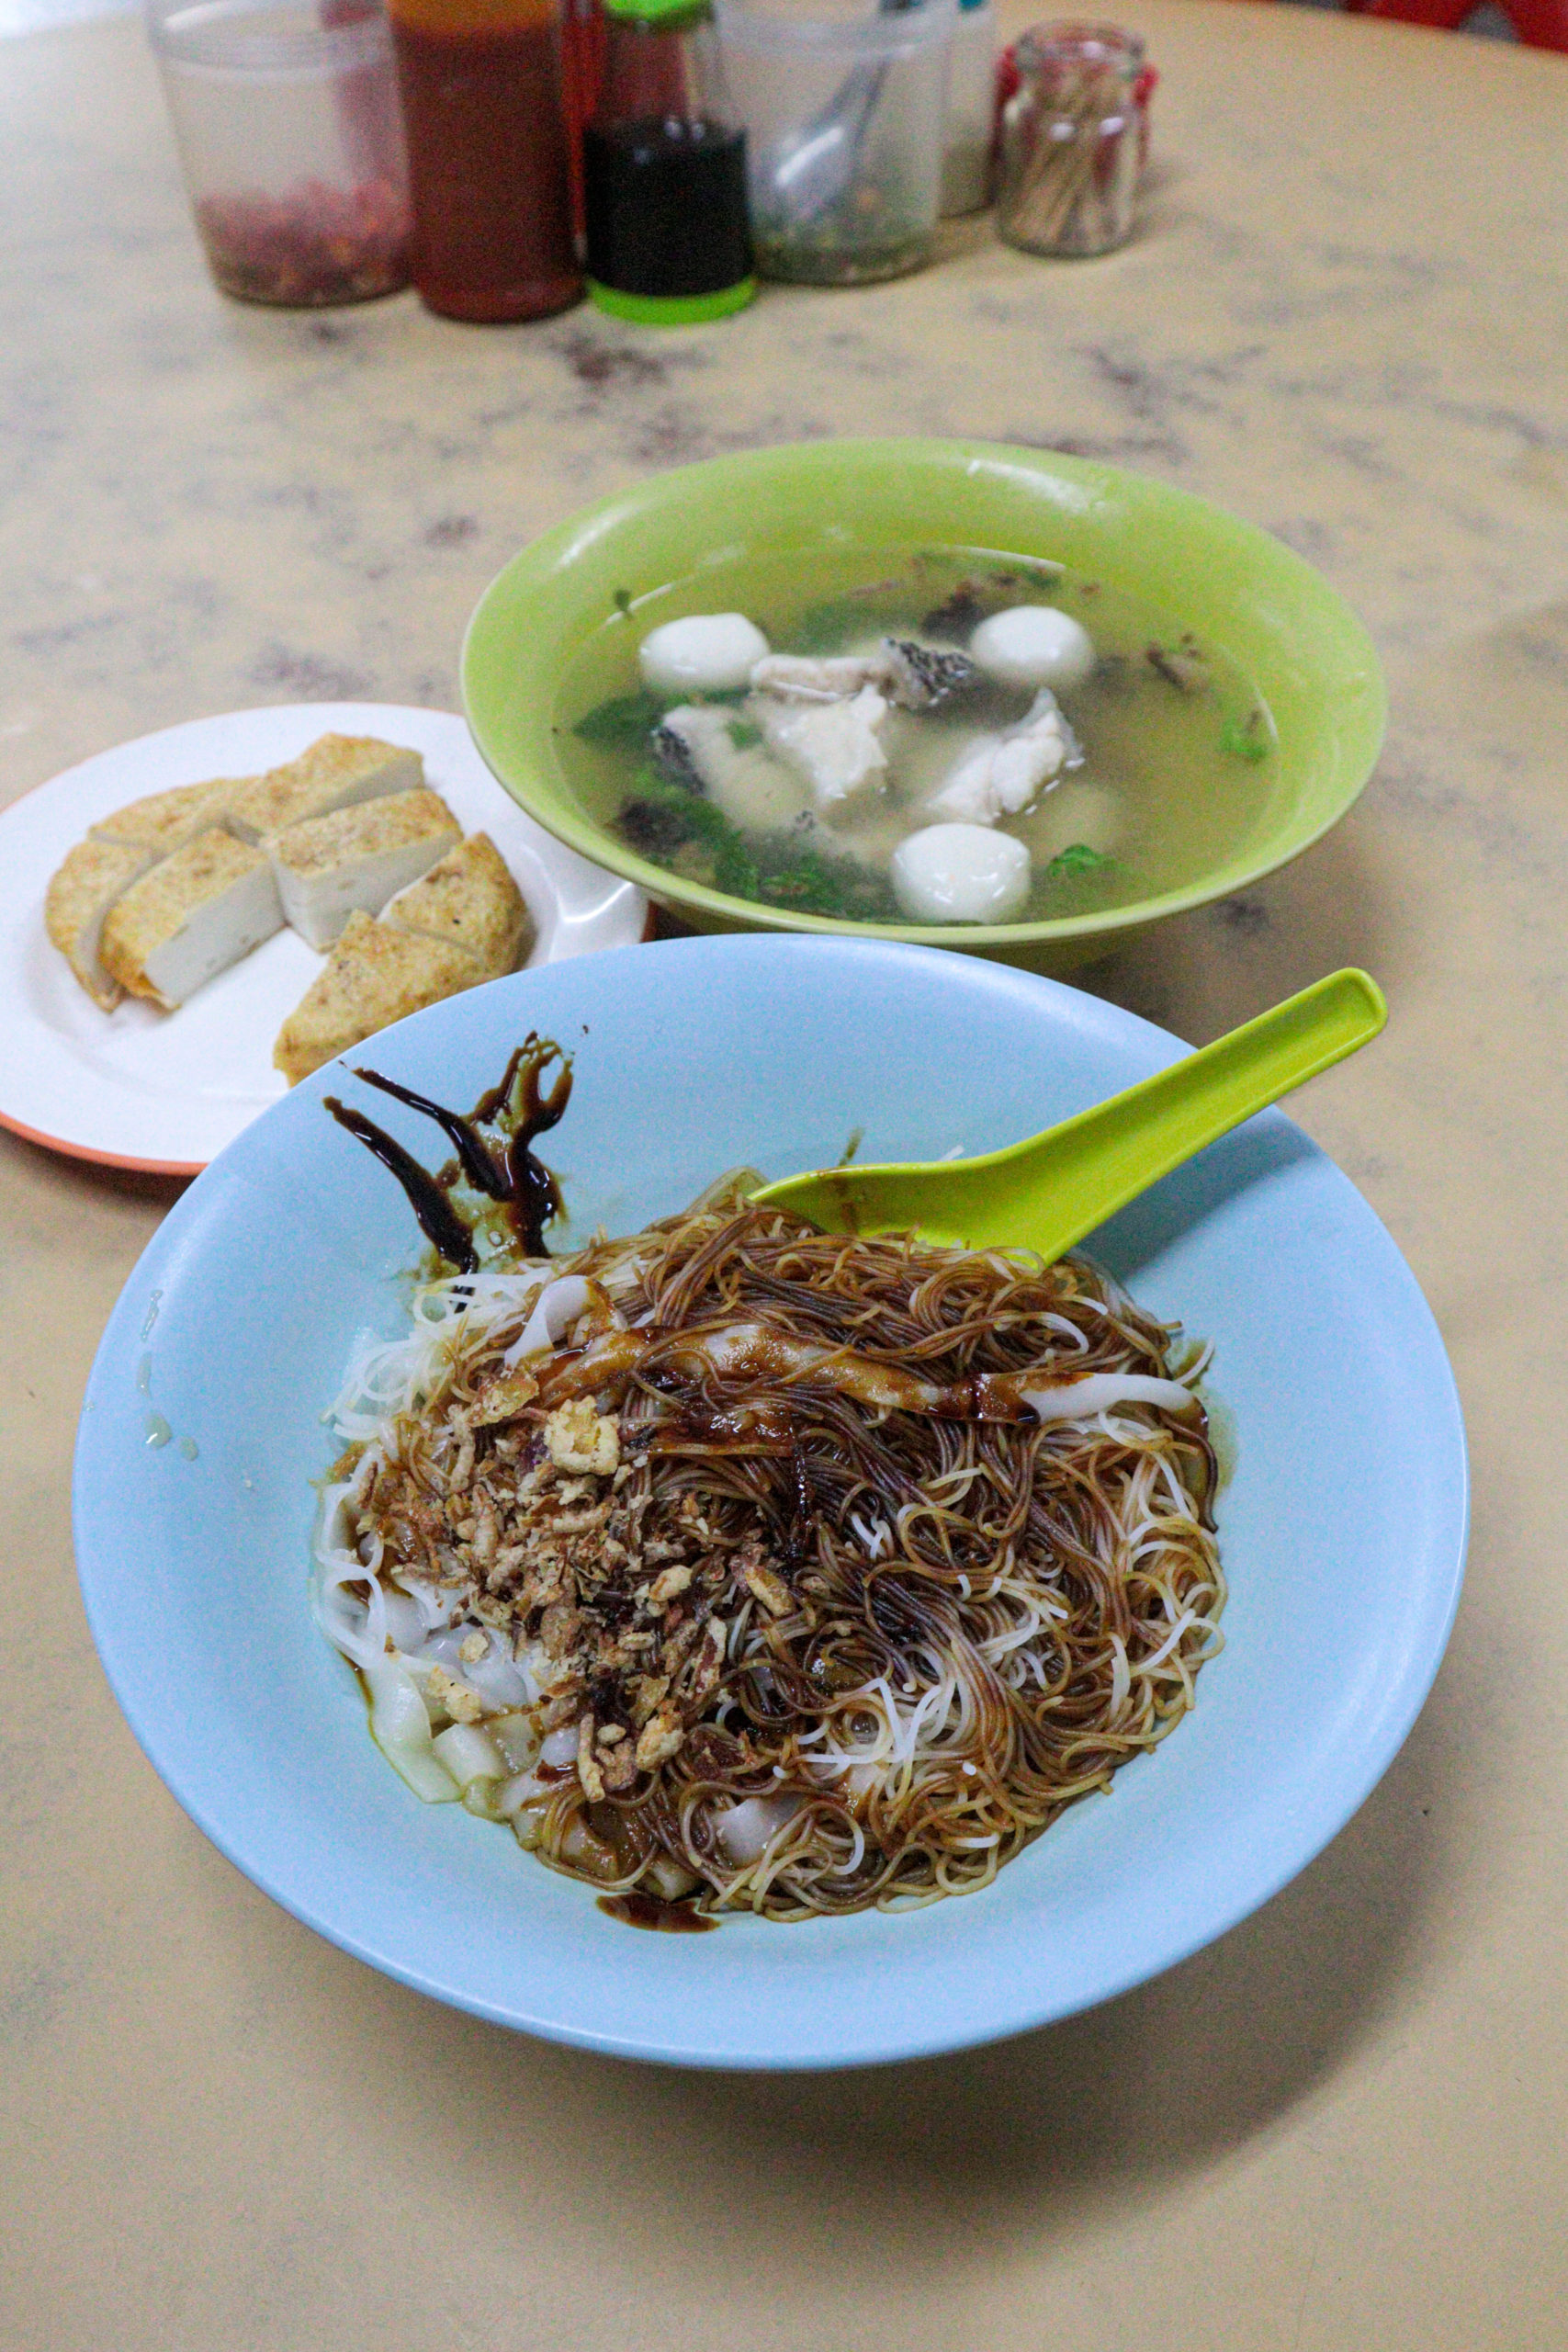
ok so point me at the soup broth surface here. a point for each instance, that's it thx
(1177, 769)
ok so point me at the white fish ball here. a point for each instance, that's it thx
(960, 874)
(706, 653)
(1031, 646)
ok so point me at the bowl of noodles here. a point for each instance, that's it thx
(997, 699)
(558, 1543)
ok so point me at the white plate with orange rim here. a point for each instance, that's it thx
(165, 1092)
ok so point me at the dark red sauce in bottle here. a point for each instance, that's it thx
(490, 156)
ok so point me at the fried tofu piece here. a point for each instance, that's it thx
(164, 821)
(357, 857)
(337, 771)
(96, 874)
(373, 977)
(190, 917)
(470, 900)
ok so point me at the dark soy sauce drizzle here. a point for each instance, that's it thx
(438, 1220)
(501, 1166)
(645, 1911)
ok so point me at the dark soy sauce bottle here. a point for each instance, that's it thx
(664, 171)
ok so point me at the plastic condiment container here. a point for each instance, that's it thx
(288, 130)
(845, 105)
(490, 157)
(664, 170)
(1074, 139)
(971, 110)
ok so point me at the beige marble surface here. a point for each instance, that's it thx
(1343, 2125)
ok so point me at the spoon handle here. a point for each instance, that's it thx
(1048, 1191)
(1075, 1176)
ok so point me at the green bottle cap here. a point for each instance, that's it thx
(671, 309)
(656, 12)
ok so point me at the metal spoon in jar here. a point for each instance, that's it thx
(819, 169)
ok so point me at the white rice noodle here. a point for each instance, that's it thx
(873, 1534)
(748, 1829)
(415, 1610)
(938, 1718)
(1080, 1400)
(1148, 1664)
(390, 1376)
(400, 1725)
(403, 1627)
(357, 1627)
(496, 1678)
(468, 1754)
(406, 1628)
(561, 1747)
(520, 1789)
(853, 1859)
(1121, 1676)
(553, 1313)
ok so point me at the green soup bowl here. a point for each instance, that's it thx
(1306, 652)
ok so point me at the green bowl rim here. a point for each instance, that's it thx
(603, 850)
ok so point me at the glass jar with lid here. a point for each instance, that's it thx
(1073, 132)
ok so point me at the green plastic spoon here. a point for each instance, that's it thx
(1047, 1192)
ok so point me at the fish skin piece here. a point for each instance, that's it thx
(920, 676)
(915, 676)
(674, 752)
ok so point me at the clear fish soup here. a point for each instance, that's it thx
(816, 783)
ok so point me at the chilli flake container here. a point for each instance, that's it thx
(291, 141)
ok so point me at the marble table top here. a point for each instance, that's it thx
(1343, 317)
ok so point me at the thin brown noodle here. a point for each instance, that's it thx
(933, 1630)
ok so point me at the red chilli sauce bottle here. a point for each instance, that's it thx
(490, 157)
(664, 171)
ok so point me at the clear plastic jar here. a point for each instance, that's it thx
(843, 104)
(1072, 139)
(290, 137)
